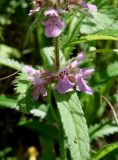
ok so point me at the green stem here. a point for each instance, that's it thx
(50, 104)
(66, 3)
(62, 143)
(57, 60)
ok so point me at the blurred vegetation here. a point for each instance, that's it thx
(23, 135)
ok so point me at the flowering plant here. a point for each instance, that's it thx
(62, 89)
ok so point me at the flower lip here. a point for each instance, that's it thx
(51, 13)
(53, 25)
(64, 85)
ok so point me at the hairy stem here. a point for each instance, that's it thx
(66, 3)
(57, 60)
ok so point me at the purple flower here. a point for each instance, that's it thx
(53, 25)
(92, 7)
(78, 60)
(39, 89)
(39, 82)
(89, 6)
(81, 84)
(64, 84)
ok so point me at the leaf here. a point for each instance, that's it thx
(21, 84)
(25, 101)
(105, 151)
(97, 36)
(48, 56)
(9, 102)
(74, 125)
(103, 129)
(71, 33)
(112, 69)
(41, 128)
(47, 149)
(11, 63)
(6, 51)
(108, 14)
(33, 26)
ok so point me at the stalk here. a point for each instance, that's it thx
(57, 60)
(66, 3)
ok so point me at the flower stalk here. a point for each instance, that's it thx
(56, 52)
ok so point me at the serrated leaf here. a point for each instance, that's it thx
(21, 84)
(105, 150)
(74, 125)
(97, 36)
(104, 129)
(112, 69)
(25, 101)
(11, 63)
(48, 56)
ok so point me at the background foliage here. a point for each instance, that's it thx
(34, 129)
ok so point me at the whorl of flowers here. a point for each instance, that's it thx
(54, 25)
(68, 78)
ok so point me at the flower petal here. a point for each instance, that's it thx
(38, 90)
(81, 85)
(64, 85)
(92, 7)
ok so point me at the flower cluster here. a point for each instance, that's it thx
(54, 25)
(68, 78)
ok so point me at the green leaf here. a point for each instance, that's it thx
(33, 26)
(105, 150)
(104, 129)
(41, 128)
(6, 51)
(9, 102)
(11, 63)
(98, 36)
(74, 125)
(25, 102)
(103, 19)
(112, 69)
(21, 84)
(47, 149)
(48, 56)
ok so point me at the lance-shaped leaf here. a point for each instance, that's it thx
(74, 125)
(105, 150)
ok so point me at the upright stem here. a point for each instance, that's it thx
(66, 3)
(57, 60)
(62, 143)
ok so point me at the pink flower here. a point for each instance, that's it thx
(53, 25)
